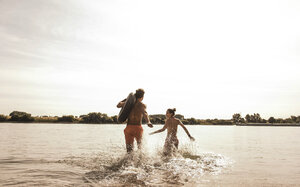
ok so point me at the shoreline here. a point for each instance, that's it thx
(243, 125)
(271, 125)
(102, 118)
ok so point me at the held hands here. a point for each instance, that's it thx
(150, 125)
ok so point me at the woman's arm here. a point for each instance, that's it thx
(186, 131)
(160, 130)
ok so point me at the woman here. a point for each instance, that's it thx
(171, 125)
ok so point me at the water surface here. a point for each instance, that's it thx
(94, 155)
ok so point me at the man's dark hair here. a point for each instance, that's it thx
(139, 93)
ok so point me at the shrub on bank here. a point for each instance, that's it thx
(17, 116)
(67, 119)
(97, 118)
(45, 119)
(3, 118)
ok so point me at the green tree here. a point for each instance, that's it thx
(157, 119)
(279, 120)
(298, 119)
(263, 121)
(69, 119)
(191, 121)
(237, 118)
(18, 116)
(271, 120)
(2, 118)
(294, 119)
(288, 120)
(256, 118)
(179, 116)
(96, 118)
(248, 118)
(114, 119)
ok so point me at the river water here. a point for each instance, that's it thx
(94, 155)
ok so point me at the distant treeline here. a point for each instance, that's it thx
(255, 118)
(101, 118)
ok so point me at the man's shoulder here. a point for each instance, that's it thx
(141, 104)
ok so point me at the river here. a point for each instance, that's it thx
(94, 155)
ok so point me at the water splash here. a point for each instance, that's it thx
(143, 168)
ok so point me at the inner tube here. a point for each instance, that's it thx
(126, 109)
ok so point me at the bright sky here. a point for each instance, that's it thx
(209, 59)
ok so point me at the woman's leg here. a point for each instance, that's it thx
(176, 142)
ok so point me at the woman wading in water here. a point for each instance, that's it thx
(171, 124)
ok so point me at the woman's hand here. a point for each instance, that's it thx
(192, 138)
(150, 125)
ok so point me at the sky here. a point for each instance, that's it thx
(208, 59)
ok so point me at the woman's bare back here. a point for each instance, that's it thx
(172, 125)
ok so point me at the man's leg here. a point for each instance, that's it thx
(129, 148)
(139, 144)
(129, 138)
(139, 136)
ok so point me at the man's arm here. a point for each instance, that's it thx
(186, 131)
(121, 103)
(146, 117)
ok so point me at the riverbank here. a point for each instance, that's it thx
(245, 125)
(271, 124)
(102, 118)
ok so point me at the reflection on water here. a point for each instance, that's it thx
(95, 155)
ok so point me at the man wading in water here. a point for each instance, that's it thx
(134, 129)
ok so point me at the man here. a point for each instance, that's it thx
(134, 129)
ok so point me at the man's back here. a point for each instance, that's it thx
(136, 115)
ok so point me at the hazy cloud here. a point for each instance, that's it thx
(214, 53)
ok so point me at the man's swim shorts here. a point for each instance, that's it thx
(133, 132)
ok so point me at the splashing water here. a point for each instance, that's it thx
(143, 168)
